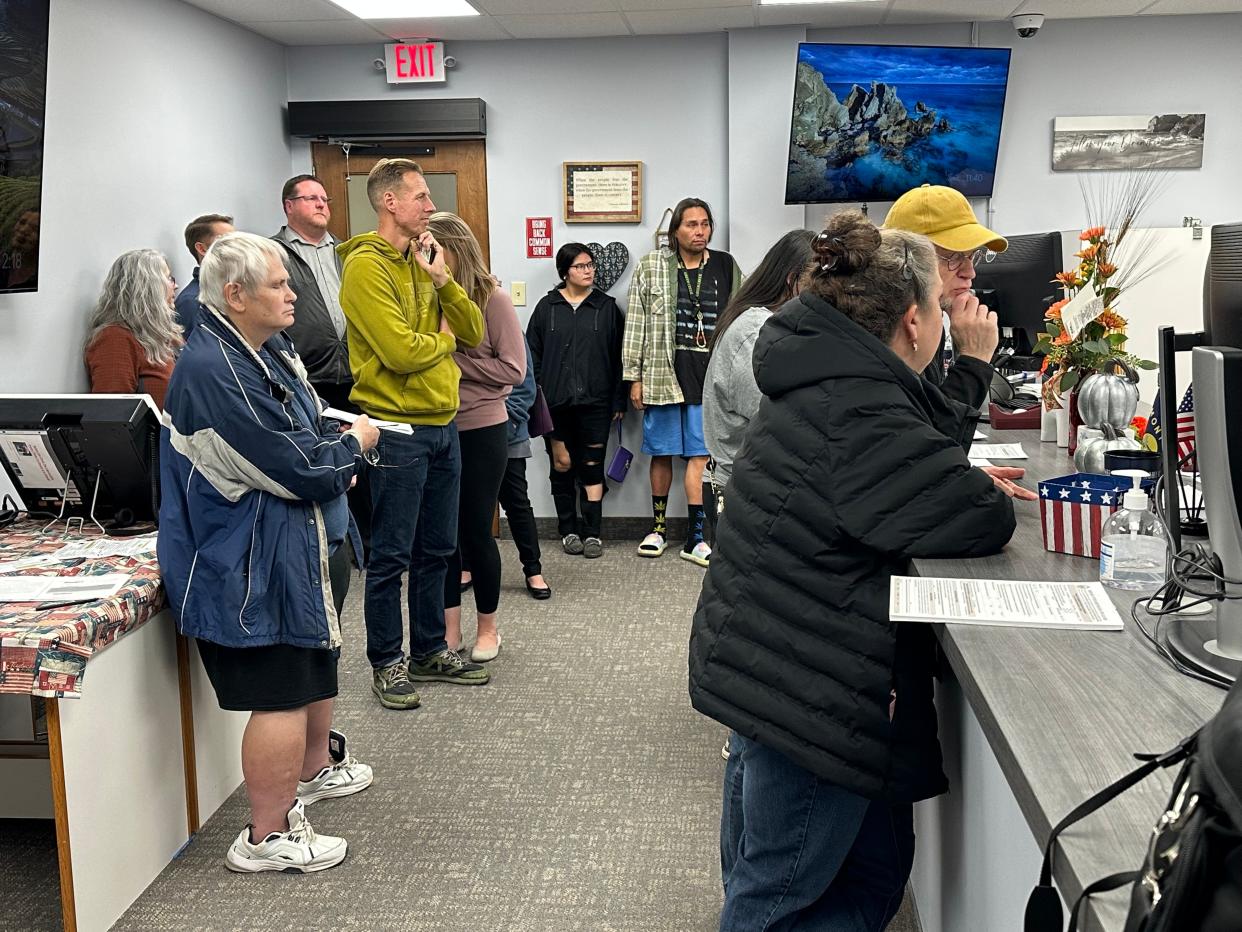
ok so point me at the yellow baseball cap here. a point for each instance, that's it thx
(944, 216)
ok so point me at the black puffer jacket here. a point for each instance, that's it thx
(323, 351)
(577, 353)
(852, 466)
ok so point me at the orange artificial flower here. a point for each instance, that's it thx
(1043, 367)
(1054, 310)
(1091, 233)
(1068, 278)
(1062, 338)
(1112, 321)
(1106, 269)
(1088, 252)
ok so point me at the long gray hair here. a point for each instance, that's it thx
(133, 297)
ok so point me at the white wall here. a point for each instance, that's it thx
(156, 112)
(662, 100)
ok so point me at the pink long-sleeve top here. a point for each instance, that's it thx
(490, 370)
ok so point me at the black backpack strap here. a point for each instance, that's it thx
(1103, 885)
(1043, 908)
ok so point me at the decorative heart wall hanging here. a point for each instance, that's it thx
(610, 263)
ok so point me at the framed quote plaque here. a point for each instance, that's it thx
(603, 192)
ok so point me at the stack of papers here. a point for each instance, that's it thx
(1083, 606)
(396, 427)
(60, 588)
(997, 451)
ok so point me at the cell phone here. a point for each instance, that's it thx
(429, 254)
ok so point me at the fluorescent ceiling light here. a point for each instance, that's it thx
(797, 2)
(406, 9)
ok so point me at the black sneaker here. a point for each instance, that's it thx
(448, 667)
(393, 688)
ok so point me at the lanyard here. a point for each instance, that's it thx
(700, 336)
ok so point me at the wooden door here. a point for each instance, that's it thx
(456, 173)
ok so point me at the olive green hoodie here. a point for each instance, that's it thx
(402, 364)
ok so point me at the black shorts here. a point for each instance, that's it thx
(269, 679)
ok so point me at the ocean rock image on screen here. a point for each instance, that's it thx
(1120, 143)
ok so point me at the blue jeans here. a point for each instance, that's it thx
(414, 491)
(800, 853)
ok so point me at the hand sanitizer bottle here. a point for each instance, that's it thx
(1133, 542)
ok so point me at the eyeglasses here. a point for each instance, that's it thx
(584, 267)
(313, 198)
(953, 261)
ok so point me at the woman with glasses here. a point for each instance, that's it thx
(853, 465)
(488, 374)
(575, 340)
(133, 335)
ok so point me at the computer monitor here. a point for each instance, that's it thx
(1019, 284)
(1215, 645)
(93, 457)
(1222, 287)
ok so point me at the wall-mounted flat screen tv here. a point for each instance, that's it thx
(872, 121)
(23, 83)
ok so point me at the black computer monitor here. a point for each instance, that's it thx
(1222, 287)
(84, 456)
(1215, 645)
(1019, 284)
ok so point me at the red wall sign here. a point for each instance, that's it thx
(538, 237)
(414, 62)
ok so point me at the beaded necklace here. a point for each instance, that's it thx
(700, 336)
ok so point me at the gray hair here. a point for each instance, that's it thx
(239, 258)
(134, 297)
(872, 275)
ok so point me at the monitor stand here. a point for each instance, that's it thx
(1193, 642)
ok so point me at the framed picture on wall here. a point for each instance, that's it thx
(603, 192)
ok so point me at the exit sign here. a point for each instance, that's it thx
(414, 62)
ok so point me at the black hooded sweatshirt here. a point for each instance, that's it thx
(577, 353)
(853, 465)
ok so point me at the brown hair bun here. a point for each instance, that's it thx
(846, 244)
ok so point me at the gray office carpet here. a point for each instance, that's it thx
(577, 791)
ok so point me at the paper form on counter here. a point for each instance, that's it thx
(1081, 606)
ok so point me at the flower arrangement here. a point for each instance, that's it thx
(1068, 360)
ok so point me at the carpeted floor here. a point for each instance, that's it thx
(577, 791)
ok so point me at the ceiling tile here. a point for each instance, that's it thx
(678, 6)
(354, 32)
(514, 7)
(685, 22)
(949, 11)
(822, 16)
(1082, 9)
(459, 28)
(564, 25)
(1170, 7)
(273, 11)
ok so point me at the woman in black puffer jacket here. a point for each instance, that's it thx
(852, 466)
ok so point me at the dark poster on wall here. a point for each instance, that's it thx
(23, 86)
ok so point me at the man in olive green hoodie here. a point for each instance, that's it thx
(405, 317)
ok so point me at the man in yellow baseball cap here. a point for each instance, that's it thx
(944, 216)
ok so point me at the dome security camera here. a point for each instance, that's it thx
(1027, 24)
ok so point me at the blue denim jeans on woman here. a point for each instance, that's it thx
(800, 853)
(414, 491)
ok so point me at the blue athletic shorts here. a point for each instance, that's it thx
(673, 430)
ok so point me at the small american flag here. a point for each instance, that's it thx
(1185, 427)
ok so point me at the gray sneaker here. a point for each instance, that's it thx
(592, 548)
(572, 544)
(393, 687)
(448, 667)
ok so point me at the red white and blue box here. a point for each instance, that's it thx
(1074, 508)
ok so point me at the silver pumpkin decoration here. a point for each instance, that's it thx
(1089, 457)
(1110, 396)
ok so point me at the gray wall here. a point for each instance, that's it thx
(156, 112)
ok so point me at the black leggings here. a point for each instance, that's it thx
(484, 455)
(515, 500)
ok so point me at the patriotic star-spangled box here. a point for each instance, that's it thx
(1074, 508)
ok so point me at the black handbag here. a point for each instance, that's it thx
(1191, 877)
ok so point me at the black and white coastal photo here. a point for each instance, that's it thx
(1119, 143)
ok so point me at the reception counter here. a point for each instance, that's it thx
(1033, 722)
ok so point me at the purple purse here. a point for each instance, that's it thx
(619, 466)
(540, 422)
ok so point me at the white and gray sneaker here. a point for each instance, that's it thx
(345, 776)
(300, 849)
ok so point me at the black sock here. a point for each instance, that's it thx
(592, 517)
(694, 531)
(659, 507)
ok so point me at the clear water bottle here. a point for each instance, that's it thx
(1133, 543)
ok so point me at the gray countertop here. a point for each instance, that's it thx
(1065, 710)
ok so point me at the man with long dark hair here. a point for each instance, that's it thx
(676, 294)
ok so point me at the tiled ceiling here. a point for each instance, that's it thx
(320, 22)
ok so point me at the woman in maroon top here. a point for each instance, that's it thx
(134, 337)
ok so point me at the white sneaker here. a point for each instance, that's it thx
(653, 545)
(343, 777)
(298, 849)
(700, 554)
